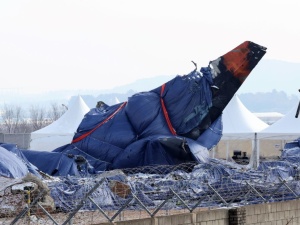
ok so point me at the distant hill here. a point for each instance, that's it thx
(140, 85)
(271, 75)
(272, 86)
(275, 101)
(267, 76)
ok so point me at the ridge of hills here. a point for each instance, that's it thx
(272, 86)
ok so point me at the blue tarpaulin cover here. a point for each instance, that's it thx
(175, 123)
(138, 133)
(11, 165)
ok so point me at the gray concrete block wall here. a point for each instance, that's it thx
(282, 213)
(21, 140)
(212, 217)
(277, 213)
(209, 217)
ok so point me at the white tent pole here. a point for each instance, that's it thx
(227, 150)
(255, 153)
(258, 150)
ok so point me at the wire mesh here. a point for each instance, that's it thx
(145, 192)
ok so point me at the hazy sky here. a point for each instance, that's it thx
(95, 44)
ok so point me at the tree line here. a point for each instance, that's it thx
(274, 101)
(16, 119)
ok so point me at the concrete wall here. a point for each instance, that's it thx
(211, 217)
(242, 145)
(21, 140)
(278, 213)
(268, 148)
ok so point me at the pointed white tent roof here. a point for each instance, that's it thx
(239, 122)
(61, 131)
(117, 100)
(286, 128)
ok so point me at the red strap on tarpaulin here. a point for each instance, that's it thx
(99, 125)
(171, 128)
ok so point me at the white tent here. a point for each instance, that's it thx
(239, 122)
(117, 100)
(269, 117)
(61, 131)
(286, 128)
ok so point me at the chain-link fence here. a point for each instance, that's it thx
(143, 192)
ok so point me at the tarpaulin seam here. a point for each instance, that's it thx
(99, 125)
(171, 128)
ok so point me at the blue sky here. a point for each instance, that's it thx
(72, 44)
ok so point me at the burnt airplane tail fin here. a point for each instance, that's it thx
(242, 60)
(229, 71)
(238, 62)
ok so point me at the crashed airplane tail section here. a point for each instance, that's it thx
(228, 73)
(169, 125)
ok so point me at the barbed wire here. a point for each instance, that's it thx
(146, 192)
